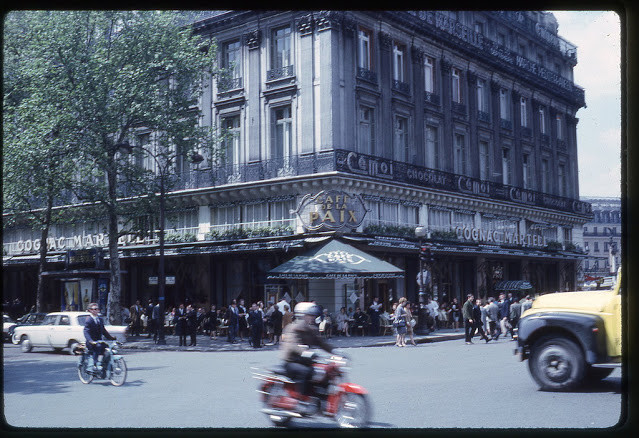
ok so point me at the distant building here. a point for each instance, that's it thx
(602, 238)
(359, 125)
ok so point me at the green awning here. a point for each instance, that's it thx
(335, 260)
(513, 285)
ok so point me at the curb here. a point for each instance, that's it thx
(150, 346)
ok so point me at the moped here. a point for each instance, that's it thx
(111, 367)
(346, 403)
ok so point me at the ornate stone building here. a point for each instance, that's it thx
(602, 238)
(461, 122)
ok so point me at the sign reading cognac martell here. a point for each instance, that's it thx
(331, 210)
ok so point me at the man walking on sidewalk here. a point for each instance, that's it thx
(467, 314)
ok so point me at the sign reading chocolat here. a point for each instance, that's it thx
(331, 210)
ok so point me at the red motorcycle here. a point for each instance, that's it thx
(346, 403)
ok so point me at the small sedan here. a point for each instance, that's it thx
(60, 330)
(7, 324)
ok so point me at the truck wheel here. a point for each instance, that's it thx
(556, 364)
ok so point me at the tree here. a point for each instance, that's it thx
(114, 74)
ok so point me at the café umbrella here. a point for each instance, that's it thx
(335, 260)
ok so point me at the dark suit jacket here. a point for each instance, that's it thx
(93, 331)
(232, 317)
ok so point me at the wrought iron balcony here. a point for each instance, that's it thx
(545, 139)
(367, 75)
(483, 116)
(280, 73)
(458, 108)
(400, 86)
(526, 131)
(506, 124)
(227, 84)
(431, 98)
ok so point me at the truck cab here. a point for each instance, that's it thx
(570, 337)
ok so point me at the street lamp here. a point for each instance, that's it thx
(420, 233)
(163, 167)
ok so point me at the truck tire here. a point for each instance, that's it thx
(557, 364)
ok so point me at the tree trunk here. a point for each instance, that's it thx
(44, 247)
(114, 314)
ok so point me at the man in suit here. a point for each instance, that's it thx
(136, 318)
(93, 331)
(150, 324)
(233, 321)
(256, 324)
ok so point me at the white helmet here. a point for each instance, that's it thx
(306, 308)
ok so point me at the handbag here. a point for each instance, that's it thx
(413, 322)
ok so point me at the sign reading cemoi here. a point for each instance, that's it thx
(331, 210)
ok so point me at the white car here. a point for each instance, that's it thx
(60, 330)
(7, 323)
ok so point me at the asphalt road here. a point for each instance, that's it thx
(439, 385)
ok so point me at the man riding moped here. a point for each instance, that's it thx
(298, 361)
(93, 331)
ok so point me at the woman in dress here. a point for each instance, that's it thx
(455, 313)
(400, 322)
(409, 327)
(342, 322)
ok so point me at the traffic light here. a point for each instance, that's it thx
(425, 254)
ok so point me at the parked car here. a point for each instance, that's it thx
(60, 330)
(7, 324)
(34, 318)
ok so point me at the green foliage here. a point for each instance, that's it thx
(246, 233)
(553, 245)
(390, 230)
(180, 238)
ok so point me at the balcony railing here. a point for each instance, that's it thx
(506, 124)
(227, 84)
(367, 75)
(483, 116)
(280, 73)
(431, 98)
(526, 131)
(459, 108)
(400, 86)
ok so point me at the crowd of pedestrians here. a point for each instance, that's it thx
(262, 325)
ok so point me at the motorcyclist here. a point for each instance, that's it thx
(93, 331)
(296, 336)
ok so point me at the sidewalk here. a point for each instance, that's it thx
(221, 344)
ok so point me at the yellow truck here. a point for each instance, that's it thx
(571, 337)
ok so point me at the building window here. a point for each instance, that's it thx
(460, 154)
(479, 27)
(484, 160)
(226, 218)
(545, 176)
(439, 220)
(282, 145)
(399, 58)
(456, 85)
(138, 156)
(505, 166)
(542, 120)
(596, 245)
(501, 39)
(432, 147)
(482, 96)
(364, 49)
(281, 48)
(366, 130)
(560, 131)
(429, 74)
(562, 180)
(401, 139)
(587, 248)
(231, 144)
(527, 171)
(504, 104)
(523, 111)
(231, 59)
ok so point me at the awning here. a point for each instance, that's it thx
(513, 285)
(335, 260)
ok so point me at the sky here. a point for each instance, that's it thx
(597, 37)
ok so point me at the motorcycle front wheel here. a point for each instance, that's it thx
(353, 410)
(118, 373)
(83, 374)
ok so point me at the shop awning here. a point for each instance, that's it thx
(335, 260)
(513, 285)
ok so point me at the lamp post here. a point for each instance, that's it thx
(420, 233)
(163, 168)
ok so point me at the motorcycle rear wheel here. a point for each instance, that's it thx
(83, 374)
(276, 391)
(353, 410)
(118, 373)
